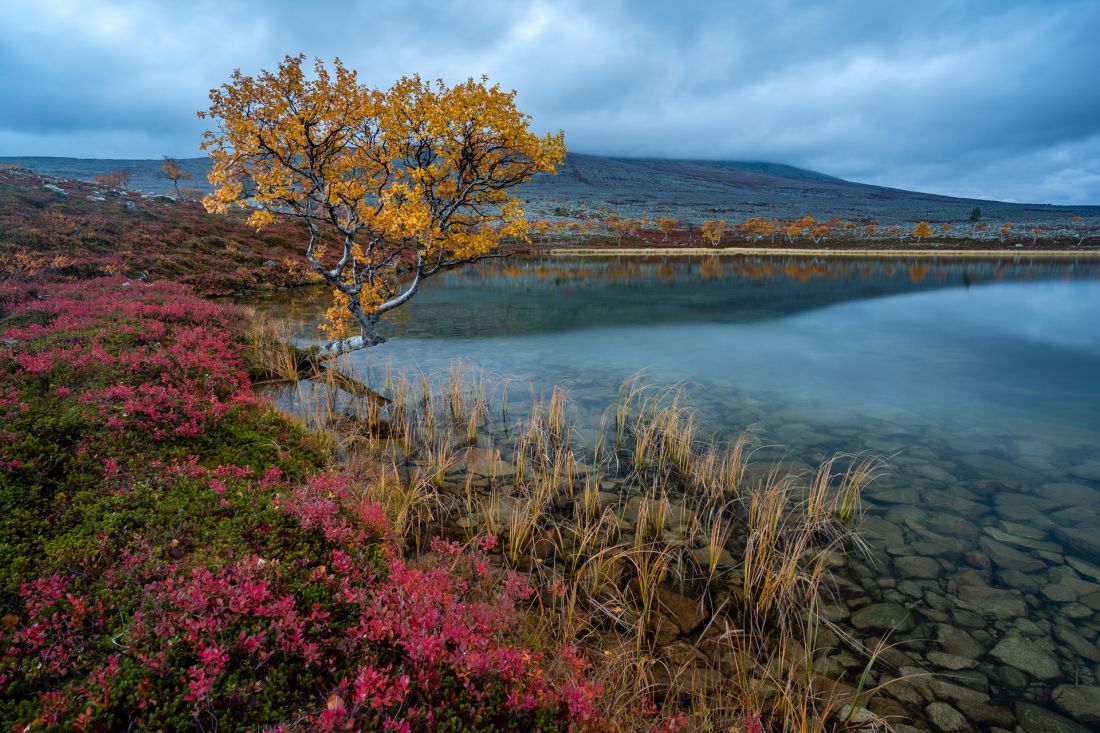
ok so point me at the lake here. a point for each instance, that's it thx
(978, 381)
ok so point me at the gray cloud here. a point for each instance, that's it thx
(988, 98)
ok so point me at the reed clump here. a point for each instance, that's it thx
(690, 577)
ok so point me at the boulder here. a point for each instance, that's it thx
(1079, 645)
(947, 718)
(917, 567)
(984, 599)
(951, 661)
(958, 642)
(1027, 656)
(1011, 559)
(688, 613)
(1034, 719)
(1067, 493)
(883, 617)
(1085, 543)
(1082, 702)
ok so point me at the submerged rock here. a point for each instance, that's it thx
(988, 465)
(1034, 719)
(983, 599)
(1079, 645)
(1083, 542)
(958, 642)
(1088, 470)
(1067, 493)
(953, 662)
(917, 567)
(1006, 557)
(1027, 656)
(947, 718)
(883, 617)
(1082, 702)
(1060, 593)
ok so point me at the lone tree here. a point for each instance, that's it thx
(714, 230)
(667, 225)
(418, 174)
(174, 172)
(921, 230)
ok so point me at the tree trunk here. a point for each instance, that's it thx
(367, 335)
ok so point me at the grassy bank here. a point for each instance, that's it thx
(75, 230)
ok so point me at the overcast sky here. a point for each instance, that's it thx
(983, 98)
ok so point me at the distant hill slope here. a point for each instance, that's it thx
(686, 189)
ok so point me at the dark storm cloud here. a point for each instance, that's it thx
(993, 99)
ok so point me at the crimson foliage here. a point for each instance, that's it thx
(174, 557)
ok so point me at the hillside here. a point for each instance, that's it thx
(688, 190)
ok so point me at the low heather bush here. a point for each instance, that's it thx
(173, 555)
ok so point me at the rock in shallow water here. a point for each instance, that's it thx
(1067, 493)
(1034, 719)
(918, 567)
(1027, 656)
(947, 718)
(951, 661)
(957, 642)
(975, 595)
(1082, 702)
(1084, 543)
(1006, 557)
(883, 617)
(1079, 645)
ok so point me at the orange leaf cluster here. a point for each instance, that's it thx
(419, 173)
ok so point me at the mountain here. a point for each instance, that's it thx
(694, 190)
(689, 190)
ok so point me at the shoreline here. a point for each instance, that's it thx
(821, 252)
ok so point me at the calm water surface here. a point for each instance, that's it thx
(981, 381)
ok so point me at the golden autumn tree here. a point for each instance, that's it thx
(619, 226)
(418, 175)
(667, 225)
(921, 230)
(820, 231)
(750, 227)
(174, 172)
(1080, 231)
(713, 230)
(1004, 230)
